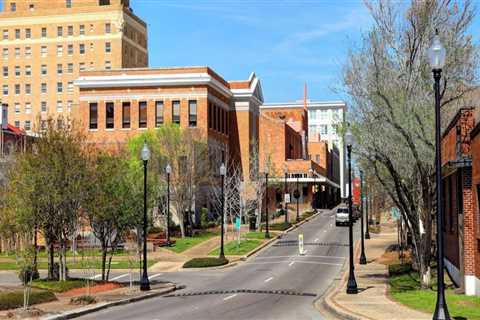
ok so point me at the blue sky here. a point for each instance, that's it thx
(287, 43)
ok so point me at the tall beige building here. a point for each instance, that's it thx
(44, 44)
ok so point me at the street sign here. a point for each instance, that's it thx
(237, 223)
(300, 245)
(395, 213)
(287, 197)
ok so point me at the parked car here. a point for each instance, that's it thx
(341, 216)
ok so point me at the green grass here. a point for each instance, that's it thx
(14, 299)
(405, 288)
(59, 286)
(205, 262)
(281, 226)
(257, 235)
(233, 249)
(96, 264)
(182, 244)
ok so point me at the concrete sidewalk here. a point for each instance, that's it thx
(372, 301)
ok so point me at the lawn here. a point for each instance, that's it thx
(93, 264)
(405, 288)
(59, 286)
(256, 235)
(182, 244)
(233, 249)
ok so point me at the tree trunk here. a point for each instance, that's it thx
(104, 258)
(50, 260)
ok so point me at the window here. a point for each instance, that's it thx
(28, 108)
(17, 108)
(27, 125)
(5, 89)
(192, 113)
(126, 115)
(82, 48)
(5, 53)
(43, 88)
(70, 87)
(28, 52)
(142, 114)
(110, 115)
(81, 30)
(13, 6)
(176, 112)
(43, 51)
(69, 106)
(68, 3)
(43, 70)
(108, 28)
(44, 32)
(5, 34)
(104, 2)
(43, 106)
(17, 123)
(70, 49)
(28, 33)
(59, 124)
(17, 89)
(108, 47)
(17, 34)
(323, 129)
(31, 7)
(91, 27)
(59, 68)
(17, 52)
(59, 50)
(93, 109)
(59, 87)
(59, 31)
(108, 65)
(81, 66)
(43, 124)
(5, 72)
(70, 68)
(28, 88)
(70, 31)
(159, 110)
(59, 106)
(28, 71)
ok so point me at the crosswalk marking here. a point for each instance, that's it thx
(120, 277)
(230, 297)
(154, 276)
(267, 280)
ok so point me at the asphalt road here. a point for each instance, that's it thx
(286, 283)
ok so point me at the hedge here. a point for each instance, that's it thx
(205, 262)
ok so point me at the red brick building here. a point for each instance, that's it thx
(461, 183)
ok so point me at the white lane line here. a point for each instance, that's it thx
(95, 277)
(154, 276)
(311, 256)
(120, 277)
(297, 261)
(230, 297)
(269, 279)
(291, 263)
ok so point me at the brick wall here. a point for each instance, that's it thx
(475, 147)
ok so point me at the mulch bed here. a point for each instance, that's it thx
(93, 289)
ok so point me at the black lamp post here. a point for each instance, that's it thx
(144, 282)
(297, 196)
(436, 56)
(352, 283)
(286, 193)
(168, 170)
(363, 259)
(267, 232)
(223, 172)
(367, 232)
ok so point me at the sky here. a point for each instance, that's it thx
(285, 42)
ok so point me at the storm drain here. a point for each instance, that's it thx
(212, 292)
(292, 243)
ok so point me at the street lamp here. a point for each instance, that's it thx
(297, 196)
(436, 57)
(267, 232)
(168, 170)
(285, 169)
(367, 232)
(352, 283)
(363, 259)
(223, 172)
(145, 155)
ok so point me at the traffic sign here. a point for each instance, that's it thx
(287, 197)
(237, 223)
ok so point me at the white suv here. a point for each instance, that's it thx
(341, 216)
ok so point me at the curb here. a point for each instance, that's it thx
(104, 305)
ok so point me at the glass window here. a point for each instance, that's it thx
(110, 115)
(70, 49)
(17, 123)
(28, 108)
(59, 50)
(28, 71)
(70, 30)
(81, 29)
(43, 106)
(108, 65)
(5, 72)
(176, 112)
(28, 33)
(59, 68)
(82, 48)
(17, 34)
(68, 3)
(108, 28)
(59, 31)
(43, 51)
(17, 89)
(27, 125)
(108, 47)
(5, 34)
(323, 129)
(44, 69)
(59, 87)
(126, 115)
(142, 114)
(59, 106)
(28, 52)
(70, 87)
(5, 89)
(13, 6)
(159, 109)
(28, 88)
(44, 32)
(70, 68)
(5, 53)
(17, 107)
(81, 66)
(43, 88)
(69, 105)
(17, 52)
(59, 124)
(192, 113)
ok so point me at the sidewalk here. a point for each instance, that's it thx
(372, 301)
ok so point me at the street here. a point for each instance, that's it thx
(277, 268)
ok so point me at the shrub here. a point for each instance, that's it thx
(279, 226)
(399, 269)
(14, 299)
(83, 300)
(27, 273)
(205, 262)
(204, 217)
